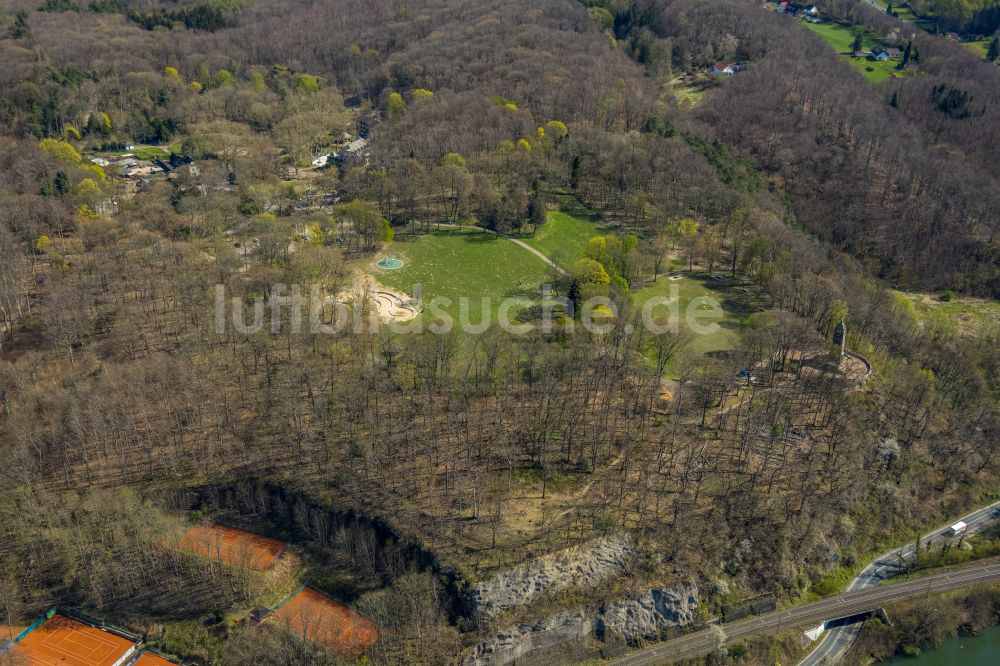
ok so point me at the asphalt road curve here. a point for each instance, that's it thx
(838, 606)
(838, 640)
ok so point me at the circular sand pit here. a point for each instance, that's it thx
(387, 304)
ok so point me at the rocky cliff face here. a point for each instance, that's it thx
(586, 565)
(649, 614)
(646, 616)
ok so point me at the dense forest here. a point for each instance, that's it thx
(822, 195)
(980, 17)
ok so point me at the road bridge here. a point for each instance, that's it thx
(839, 606)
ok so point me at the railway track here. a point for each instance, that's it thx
(831, 608)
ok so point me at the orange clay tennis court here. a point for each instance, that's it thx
(321, 619)
(62, 641)
(232, 545)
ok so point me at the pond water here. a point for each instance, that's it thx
(981, 650)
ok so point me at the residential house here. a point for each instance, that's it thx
(888, 53)
(724, 68)
(354, 152)
(790, 8)
(810, 14)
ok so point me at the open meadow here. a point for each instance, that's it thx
(466, 263)
(564, 236)
(954, 315)
(841, 37)
(695, 293)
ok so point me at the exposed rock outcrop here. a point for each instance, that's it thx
(587, 565)
(646, 616)
(514, 644)
(649, 614)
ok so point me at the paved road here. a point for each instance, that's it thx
(841, 605)
(838, 641)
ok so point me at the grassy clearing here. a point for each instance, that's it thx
(689, 95)
(905, 13)
(692, 293)
(468, 263)
(969, 316)
(150, 152)
(455, 263)
(980, 47)
(841, 37)
(564, 237)
(877, 72)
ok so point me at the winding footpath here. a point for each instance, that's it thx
(839, 640)
(538, 254)
(517, 241)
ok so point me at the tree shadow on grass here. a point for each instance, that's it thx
(481, 238)
(570, 205)
(738, 305)
(535, 312)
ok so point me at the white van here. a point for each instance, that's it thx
(957, 528)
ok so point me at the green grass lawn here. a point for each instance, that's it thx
(691, 292)
(689, 95)
(564, 237)
(150, 152)
(980, 47)
(904, 13)
(966, 316)
(877, 72)
(474, 264)
(471, 263)
(841, 37)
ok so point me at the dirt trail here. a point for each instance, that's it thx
(538, 254)
(516, 241)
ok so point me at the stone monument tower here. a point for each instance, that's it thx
(840, 337)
